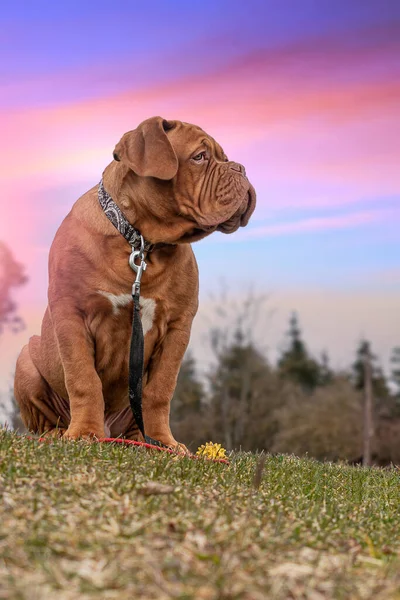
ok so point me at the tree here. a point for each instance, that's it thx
(368, 431)
(233, 385)
(325, 372)
(237, 379)
(187, 405)
(189, 392)
(13, 414)
(395, 374)
(379, 385)
(245, 392)
(295, 363)
(11, 276)
(387, 441)
(326, 425)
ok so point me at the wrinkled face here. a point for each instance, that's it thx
(210, 190)
(184, 165)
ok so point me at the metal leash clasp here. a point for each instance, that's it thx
(137, 268)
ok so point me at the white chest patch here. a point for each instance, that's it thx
(148, 306)
(117, 301)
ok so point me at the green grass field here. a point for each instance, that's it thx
(82, 520)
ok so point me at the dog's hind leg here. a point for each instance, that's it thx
(35, 398)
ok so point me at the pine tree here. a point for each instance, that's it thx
(379, 384)
(326, 374)
(295, 363)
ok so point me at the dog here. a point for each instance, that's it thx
(175, 185)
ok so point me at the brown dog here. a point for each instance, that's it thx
(175, 185)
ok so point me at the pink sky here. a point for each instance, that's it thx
(310, 112)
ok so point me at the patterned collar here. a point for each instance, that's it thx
(118, 219)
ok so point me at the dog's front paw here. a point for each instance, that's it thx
(168, 441)
(179, 448)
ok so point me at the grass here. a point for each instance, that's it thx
(80, 520)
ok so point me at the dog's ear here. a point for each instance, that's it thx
(148, 151)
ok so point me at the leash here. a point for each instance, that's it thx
(136, 352)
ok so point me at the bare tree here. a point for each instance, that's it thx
(326, 424)
(241, 384)
(368, 404)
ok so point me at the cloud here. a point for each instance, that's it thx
(342, 76)
(318, 224)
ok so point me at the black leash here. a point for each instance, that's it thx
(136, 366)
(136, 353)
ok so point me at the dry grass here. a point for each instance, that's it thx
(83, 520)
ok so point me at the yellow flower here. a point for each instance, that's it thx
(211, 450)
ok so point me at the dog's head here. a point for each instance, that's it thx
(189, 176)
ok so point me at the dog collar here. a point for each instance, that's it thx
(120, 222)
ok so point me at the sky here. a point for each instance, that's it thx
(305, 95)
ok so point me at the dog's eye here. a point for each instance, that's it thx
(199, 157)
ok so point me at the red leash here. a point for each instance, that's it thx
(149, 447)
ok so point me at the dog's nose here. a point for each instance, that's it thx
(238, 168)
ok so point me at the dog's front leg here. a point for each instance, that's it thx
(82, 382)
(161, 382)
